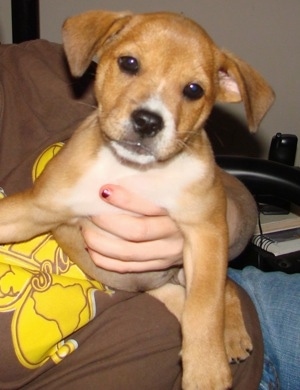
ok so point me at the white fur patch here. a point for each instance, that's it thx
(162, 184)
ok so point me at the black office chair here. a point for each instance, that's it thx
(272, 181)
(264, 177)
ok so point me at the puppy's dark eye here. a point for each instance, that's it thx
(128, 64)
(193, 91)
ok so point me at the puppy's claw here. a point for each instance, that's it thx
(237, 350)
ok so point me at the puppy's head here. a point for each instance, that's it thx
(158, 77)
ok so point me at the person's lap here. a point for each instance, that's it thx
(135, 343)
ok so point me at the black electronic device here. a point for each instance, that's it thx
(283, 148)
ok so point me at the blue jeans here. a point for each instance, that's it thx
(276, 297)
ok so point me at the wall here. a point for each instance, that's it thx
(5, 22)
(264, 33)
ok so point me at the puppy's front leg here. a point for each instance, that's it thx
(23, 216)
(204, 358)
(45, 206)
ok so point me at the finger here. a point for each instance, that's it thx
(116, 265)
(136, 229)
(114, 247)
(111, 246)
(130, 201)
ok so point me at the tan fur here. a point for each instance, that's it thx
(174, 168)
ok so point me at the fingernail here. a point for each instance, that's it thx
(105, 193)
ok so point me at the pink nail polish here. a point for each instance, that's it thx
(105, 193)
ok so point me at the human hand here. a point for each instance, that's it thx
(144, 241)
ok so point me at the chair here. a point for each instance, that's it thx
(272, 181)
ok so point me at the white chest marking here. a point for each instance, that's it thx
(162, 184)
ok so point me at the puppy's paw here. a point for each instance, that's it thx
(238, 343)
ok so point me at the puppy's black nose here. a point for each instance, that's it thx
(146, 123)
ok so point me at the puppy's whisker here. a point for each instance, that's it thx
(88, 105)
(182, 144)
(185, 145)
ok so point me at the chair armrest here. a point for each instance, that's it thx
(264, 177)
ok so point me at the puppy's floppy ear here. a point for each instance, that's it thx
(84, 34)
(239, 82)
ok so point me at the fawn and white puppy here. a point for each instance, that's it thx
(157, 80)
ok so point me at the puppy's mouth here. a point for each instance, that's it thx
(135, 147)
(133, 151)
